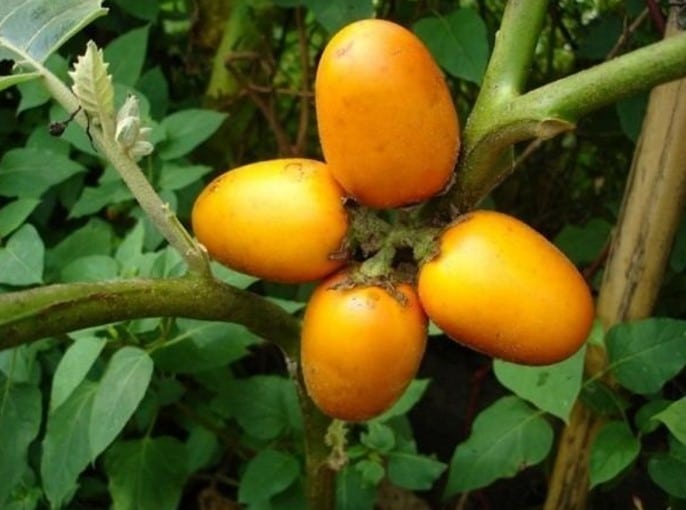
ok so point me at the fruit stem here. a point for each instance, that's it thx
(151, 203)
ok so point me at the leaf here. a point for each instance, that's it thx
(125, 55)
(31, 30)
(407, 401)
(378, 437)
(173, 177)
(458, 42)
(95, 198)
(30, 172)
(15, 79)
(120, 390)
(13, 214)
(268, 473)
(20, 419)
(73, 367)
(94, 238)
(506, 437)
(371, 469)
(613, 449)
(412, 471)
(93, 86)
(352, 493)
(644, 418)
(66, 447)
(186, 130)
(551, 388)
(674, 417)
(631, 112)
(34, 93)
(643, 355)
(668, 470)
(260, 404)
(146, 474)
(583, 244)
(202, 345)
(143, 10)
(21, 259)
(334, 15)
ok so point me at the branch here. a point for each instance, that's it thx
(555, 108)
(32, 314)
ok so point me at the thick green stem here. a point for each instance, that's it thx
(552, 109)
(158, 212)
(54, 309)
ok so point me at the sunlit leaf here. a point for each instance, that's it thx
(674, 417)
(613, 450)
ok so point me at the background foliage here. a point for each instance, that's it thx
(160, 413)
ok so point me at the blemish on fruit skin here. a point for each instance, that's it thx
(295, 170)
(341, 52)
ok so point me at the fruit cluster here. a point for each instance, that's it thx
(390, 137)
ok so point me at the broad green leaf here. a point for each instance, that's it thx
(644, 355)
(202, 345)
(268, 473)
(143, 10)
(614, 448)
(583, 244)
(506, 437)
(120, 390)
(186, 129)
(334, 15)
(260, 404)
(94, 238)
(126, 54)
(66, 447)
(20, 419)
(407, 401)
(33, 93)
(173, 177)
(146, 474)
(24, 497)
(202, 447)
(227, 275)
(458, 42)
(31, 30)
(551, 388)
(352, 493)
(91, 268)
(73, 367)
(413, 471)
(378, 437)
(371, 469)
(15, 79)
(153, 85)
(13, 214)
(601, 36)
(21, 259)
(95, 198)
(30, 172)
(602, 399)
(674, 417)
(644, 418)
(668, 470)
(130, 252)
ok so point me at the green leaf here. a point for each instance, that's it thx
(631, 112)
(644, 416)
(33, 93)
(334, 15)
(583, 244)
(551, 388)
(143, 10)
(644, 355)
(602, 399)
(260, 404)
(413, 471)
(34, 28)
(91, 268)
(73, 367)
(186, 129)
(14, 214)
(268, 473)
(602, 35)
(120, 390)
(202, 447)
(506, 437)
(20, 419)
(227, 275)
(126, 54)
(95, 198)
(458, 42)
(674, 417)
(21, 259)
(15, 79)
(173, 177)
(66, 448)
(30, 172)
(146, 474)
(378, 437)
(94, 238)
(407, 401)
(352, 492)
(202, 345)
(372, 470)
(613, 449)
(153, 85)
(668, 470)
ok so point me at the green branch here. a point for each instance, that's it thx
(496, 126)
(54, 309)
